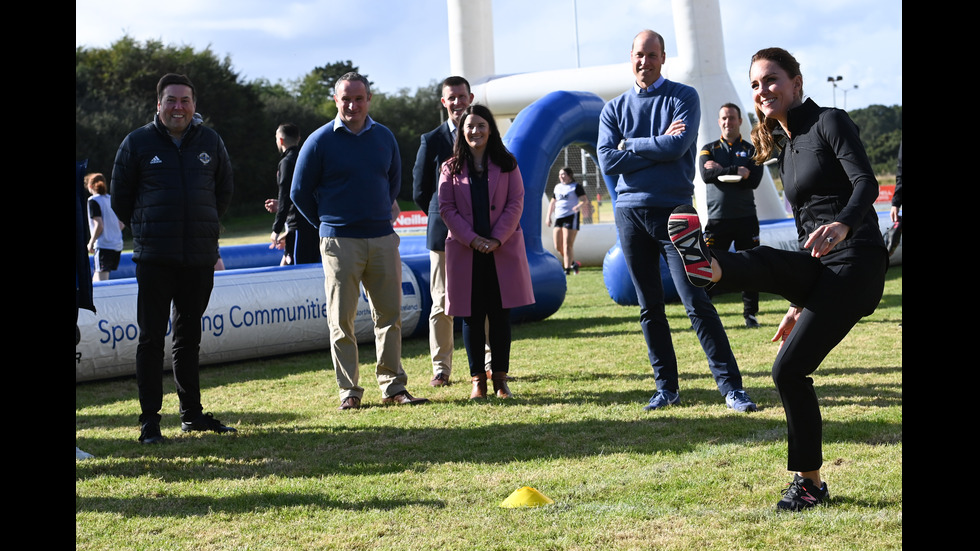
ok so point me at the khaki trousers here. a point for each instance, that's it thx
(375, 263)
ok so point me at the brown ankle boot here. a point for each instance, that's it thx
(500, 384)
(479, 386)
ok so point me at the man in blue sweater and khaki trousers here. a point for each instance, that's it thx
(648, 136)
(346, 179)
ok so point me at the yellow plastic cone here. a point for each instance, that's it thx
(526, 497)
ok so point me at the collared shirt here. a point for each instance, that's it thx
(654, 86)
(452, 132)
(339, 123)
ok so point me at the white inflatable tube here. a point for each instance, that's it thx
(253, 313)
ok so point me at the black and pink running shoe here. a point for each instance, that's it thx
(684, 229)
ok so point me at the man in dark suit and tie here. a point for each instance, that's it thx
(436, 148)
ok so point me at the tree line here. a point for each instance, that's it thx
(881, 132)
(115, 90)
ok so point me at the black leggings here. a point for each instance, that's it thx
(835, 291)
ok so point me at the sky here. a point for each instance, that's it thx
(404, 44)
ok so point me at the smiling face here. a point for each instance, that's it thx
(476, 129)
(176, 107)
(729, 121)
(456, 99)
(565, 177)
(647, 58)
(774, 92)
(353, 103)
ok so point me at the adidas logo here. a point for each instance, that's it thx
(155, 160)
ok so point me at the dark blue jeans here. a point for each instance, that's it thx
(644, 240)
(189, 290)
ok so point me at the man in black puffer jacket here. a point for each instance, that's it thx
(171, 182)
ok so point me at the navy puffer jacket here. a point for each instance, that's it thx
(172, 197)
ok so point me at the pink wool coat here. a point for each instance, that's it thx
(506, 206)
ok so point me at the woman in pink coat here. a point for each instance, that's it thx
(481, 198)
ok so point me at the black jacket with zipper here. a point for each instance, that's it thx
(172, 197)
(827, 176)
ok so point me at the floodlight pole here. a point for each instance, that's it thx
(578, 54)
(834, 81)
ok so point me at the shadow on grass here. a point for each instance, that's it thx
(362, 446)
(160, 506)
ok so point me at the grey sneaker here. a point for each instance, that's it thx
(740, 401)
(662, 398)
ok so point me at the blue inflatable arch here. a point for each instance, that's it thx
(538, 135)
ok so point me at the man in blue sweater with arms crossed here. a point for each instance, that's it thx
(648, 136)
(347, 176)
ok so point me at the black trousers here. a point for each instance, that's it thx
(307, 245)
(835, 291)
(486, 309)
(188, 289)
(720, 235)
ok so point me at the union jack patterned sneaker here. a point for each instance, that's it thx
(684, 229)
(802, 494)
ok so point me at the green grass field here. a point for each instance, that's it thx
(301, 475)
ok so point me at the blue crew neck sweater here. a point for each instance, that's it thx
(654, 170)
(345, 183)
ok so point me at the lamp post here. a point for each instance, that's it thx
(834, 81)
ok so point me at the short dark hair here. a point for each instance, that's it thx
(351, 77)
(454, 81)
(174, 78)
(290, 132)
(732, 106)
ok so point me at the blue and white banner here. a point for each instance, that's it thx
(252, 313)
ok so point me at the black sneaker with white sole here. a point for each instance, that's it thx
(206, 422)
